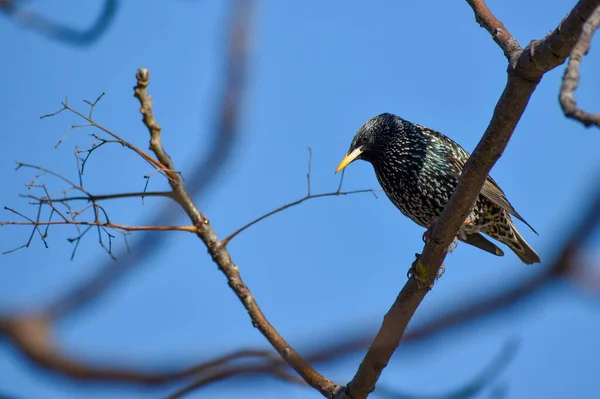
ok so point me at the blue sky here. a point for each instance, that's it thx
(317, 71)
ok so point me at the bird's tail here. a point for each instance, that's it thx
(509, 236)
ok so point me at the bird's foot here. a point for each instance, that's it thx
(427, 235)
(419, 273)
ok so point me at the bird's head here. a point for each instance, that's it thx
(371, 139)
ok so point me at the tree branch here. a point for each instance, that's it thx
(31, 334)
(110, 225)
(495, 27)
(525, 71)
(571, 77)
(541, 56)
(282, 208)
(527, 67)
(219, 252)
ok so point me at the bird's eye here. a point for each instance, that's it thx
(363, 140)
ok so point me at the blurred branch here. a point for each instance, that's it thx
(271, 369)
(571, 77)
(31, 334)
(224, 135)
(471, 388)
(526, 68)
(37, 22)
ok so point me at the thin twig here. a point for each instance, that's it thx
(308, 196)
(93, 104)
(309, 168)
(116, 226)
(226, 240)
(101, 225)
(53, 173)
(153, 162)
(104, 197)
(30, 222)
(73, 127)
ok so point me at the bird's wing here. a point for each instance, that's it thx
(490, 189)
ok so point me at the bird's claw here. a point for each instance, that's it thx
(419, 273)
(427, 234)
(421, 283)
(453, 245)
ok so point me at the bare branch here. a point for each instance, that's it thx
(220, 375)
(571, 77)
(471, 388)
(541, 56)
(308, 196)
(523, 77)
(226, 240)
(49, 172)
(29, 222)
(100, 217)
(116, 226)
(219, 252)
(484, 17)
(105, 197)
(91, 123)
(564, 266)
(31, 335)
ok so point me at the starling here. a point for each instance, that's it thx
(418, 169)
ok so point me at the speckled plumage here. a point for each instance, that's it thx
(418, 169)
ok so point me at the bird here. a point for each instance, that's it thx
(418, 169)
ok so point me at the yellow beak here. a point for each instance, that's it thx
(349, 158)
